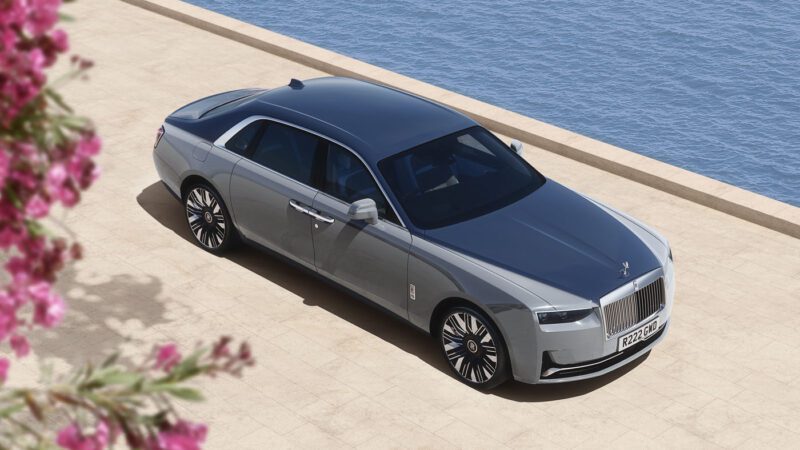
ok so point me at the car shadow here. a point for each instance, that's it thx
(160, 204)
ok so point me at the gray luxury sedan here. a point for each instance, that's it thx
(422, 211)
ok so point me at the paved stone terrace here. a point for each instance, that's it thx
(333, 372)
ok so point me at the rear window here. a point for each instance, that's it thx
(288, 151)
(240, 143)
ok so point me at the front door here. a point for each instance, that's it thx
(371, 260)
(269, 188)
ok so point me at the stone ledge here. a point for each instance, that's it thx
(714, 194)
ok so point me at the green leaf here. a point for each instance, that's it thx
(186, 393)
(188, 367)
(65, 17)
(76, 123)
(35, 228)
(14, 198)
(10, 410)
(118, 377)
(56, 97)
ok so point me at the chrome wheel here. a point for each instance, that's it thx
(206, 218)
(469, 347)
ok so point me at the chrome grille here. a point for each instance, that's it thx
(628, 311)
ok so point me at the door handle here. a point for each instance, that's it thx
(320, 217)
(299, 207)
(308, 211)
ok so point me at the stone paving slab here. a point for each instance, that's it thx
(333, 372)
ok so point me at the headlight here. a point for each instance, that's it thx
(548, 318)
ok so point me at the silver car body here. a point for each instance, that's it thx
(413, 275)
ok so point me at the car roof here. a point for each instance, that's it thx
(374, 120)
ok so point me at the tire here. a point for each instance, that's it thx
(473, 348)
(208, 219)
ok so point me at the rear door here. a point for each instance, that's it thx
(271, 187)
(371, 260)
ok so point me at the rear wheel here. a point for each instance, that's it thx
(208, 219)
(473, 348)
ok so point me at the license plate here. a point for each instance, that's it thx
(640, 334)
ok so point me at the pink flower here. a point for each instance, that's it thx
(9, 235)
(20, 345)
(4, 363)
(68, 196)
(56, 176)
(60, 40)
(167, 356)
(181, 436)
(40, 290)
(37, 207)
(37, 61)
(4, 166)
(42, 15)
(89, 146)
(49, 307)
(8, 320)
(8, 39)
(71, 438)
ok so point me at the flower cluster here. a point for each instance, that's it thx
(28, 45)
(181, 435)
(46, 157)
(165, 372)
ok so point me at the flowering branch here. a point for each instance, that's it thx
(47, 159)
(111, 402)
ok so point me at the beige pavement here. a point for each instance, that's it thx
(333, 372)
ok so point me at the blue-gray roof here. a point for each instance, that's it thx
(374, 120)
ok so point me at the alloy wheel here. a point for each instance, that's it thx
(206, 219)
(469, 347)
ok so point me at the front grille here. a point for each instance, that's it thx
(628, 311)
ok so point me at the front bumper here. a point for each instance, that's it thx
(557, 373)
(580, 350)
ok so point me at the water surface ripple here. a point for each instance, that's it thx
(712, 86)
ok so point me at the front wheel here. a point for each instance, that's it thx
(208, 219)
(473, 348)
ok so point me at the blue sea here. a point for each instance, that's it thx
(712, 86)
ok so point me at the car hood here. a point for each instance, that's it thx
(557, 237)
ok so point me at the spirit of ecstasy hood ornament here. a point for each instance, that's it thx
(625, 267)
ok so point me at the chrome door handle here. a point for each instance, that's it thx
(299, 207)
(306, 210)
(320, 217)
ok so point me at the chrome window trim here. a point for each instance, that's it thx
(226, 136)
(626, 290)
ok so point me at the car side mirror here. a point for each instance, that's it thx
(516, 146)
(364, 209)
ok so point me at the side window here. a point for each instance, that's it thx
(288, 151)
(239, 143)
(347, 179)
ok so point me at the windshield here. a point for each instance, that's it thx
(458, 177)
